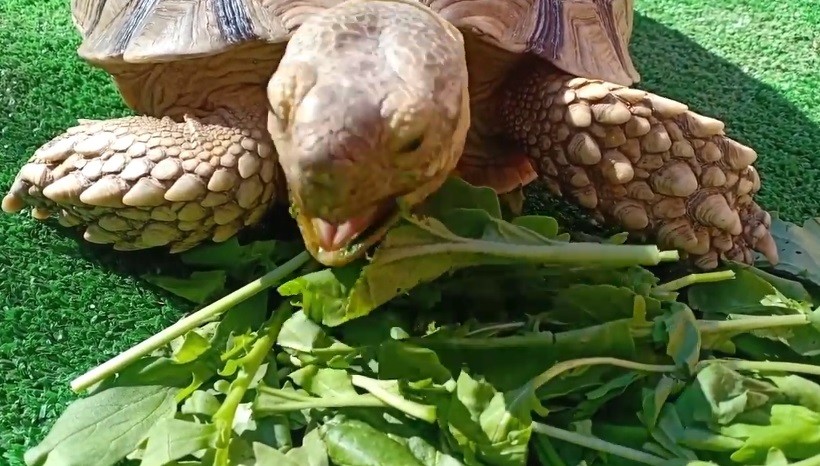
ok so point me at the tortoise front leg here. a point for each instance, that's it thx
(141, 182)
(641, 161)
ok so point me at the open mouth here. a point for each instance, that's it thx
(339, 243)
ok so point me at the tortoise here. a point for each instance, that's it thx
(345, 109)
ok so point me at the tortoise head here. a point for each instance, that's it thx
(368, 109)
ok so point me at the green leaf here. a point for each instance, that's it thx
(324, 381)
(597, 398)
(533, 353)
(151, 370)
(668, 430)
(805, 339)
(798, 390)
(790, 288)
(406, 361)
(721, 394)
(456, 193)
(242, 319)
(742, 295)
(378, 327)
(654, 400)
(312, 452)
(200, 402)
(304, 338)
(228, 254)
(798, 248)
(198, 288)
(487, 425)
(325, 292)
(544, 226)
(441, 240)
(775, 457)
(351, 442)
(430, 455)
(683, 343)
(193, 346)
(242, 262)
(267, 456)
(173, 439)
(105, 427)
(582, 304)
(794, 430)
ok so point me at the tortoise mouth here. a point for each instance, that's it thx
(338, 243)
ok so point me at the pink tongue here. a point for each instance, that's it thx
(333, 236)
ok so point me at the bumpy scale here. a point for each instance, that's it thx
(140, 182)
(646, 162)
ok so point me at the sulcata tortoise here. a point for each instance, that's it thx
(345, 108)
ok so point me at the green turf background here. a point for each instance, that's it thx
(64, 307)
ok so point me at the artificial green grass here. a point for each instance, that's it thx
(66, 307)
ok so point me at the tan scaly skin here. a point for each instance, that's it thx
(368, 107)
(196, 174)
(641, 161)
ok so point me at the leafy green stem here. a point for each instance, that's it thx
(597, 444)
(266, 405)
(418, 410)
(765, 366)
(249, 365)
(748, 324)
(188, 323)
(559, 253)
(547, 452)
(290, 395)
(564, 366)
(492, 329)
(696, 278)
(812, 461)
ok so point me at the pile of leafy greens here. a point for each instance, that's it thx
(466, 339)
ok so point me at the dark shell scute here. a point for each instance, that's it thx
(132, 23)
(234, 20)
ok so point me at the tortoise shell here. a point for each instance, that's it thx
(584, 37)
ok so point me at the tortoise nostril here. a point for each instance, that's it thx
(345, 147)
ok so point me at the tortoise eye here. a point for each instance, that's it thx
(412, 145)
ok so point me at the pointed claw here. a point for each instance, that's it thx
(767, 246)
(715, 211)
(40, 213)
(12, 204)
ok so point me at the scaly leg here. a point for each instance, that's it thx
(641, 161)
(141, 182)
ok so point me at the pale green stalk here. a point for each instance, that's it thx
(559, 253)
(564, 366)
(772, 366)
(249, 366)
(751, 323)
(120, 361)
(696, 278)
(764, 366)
(812, 461)
(344, 401)
(418, 410)
(598, 444)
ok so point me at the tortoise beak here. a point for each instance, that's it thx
(339, 243)
(333, 236)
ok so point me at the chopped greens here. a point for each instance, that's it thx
(466, 339)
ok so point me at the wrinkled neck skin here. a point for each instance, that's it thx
(368, 110)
